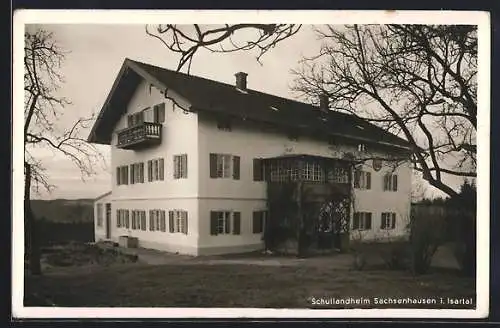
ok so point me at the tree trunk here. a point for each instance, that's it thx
(33, 246)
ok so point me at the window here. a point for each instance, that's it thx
(361, 147)
(390, 182)
(122, 219)
(135, 119)
(362, 221)
(362, 179)
(180, 166)
(122, 175)
(138, 220)
(338, 175)
(137, 173)
(156, 170)
(224, 166)
(178, 221)
(258, 170)
(99, 215)
(220, 223)
(259, 221)
(224, 124)
(157, 220)
(313, 172)
(388, 220)
(159, 113)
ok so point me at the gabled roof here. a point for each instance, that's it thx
(102, 196)
(219, 98)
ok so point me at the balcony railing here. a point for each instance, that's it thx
(140, 136)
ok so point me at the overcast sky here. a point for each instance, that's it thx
(96, 53)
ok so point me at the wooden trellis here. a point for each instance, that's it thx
(309, 200)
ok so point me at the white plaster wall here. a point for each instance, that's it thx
(100, 232)
(376, 201)
(179, 136)
(167, 241)
(247, 195)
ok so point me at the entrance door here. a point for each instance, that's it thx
(108, 220)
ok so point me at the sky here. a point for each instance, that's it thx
(95, 55)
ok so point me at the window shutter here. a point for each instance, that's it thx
(141, 172)
(130, 121)
(227, 222)
(126, 174)
(393, 220)
(386, 182)
(395, 182)
(236, 223)
(257, 169)
(236, 167)
(184, 165)
(163, 222)
(213, 165)
(368, 221)
(255, 222)
(117, 218)
(171, 221)
(213, 223)
(151, 221)
(132, 172)
(161, 169)
(382, 221)
(127, 219)
(156, 118)
(357, 174)
(143, 220)
(368, 180)
(150, 170)
(133, 220)
(161, 112)
(118, 176)
(355, 223)
(185, 217)
(176, 167)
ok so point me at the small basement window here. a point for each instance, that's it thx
(360, 127)
(274, 108)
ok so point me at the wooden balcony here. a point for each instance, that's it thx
(140, 136)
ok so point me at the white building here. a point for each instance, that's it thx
(187, 155)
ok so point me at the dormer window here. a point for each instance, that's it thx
(361, 147)
(224, 124)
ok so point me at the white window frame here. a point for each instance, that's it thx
(180, 220)
(222, 217)
(389, 182)
(100, 214)
(180, 167)
(388, 218)
(363, 218)
(224, 166)
(363, 178)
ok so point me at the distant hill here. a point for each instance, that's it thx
(64, 210)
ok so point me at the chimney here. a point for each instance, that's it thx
(324, 101)
(241, 80)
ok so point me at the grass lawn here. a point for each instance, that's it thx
(202, 285)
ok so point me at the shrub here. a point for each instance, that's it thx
(427, 233)
(395, 254)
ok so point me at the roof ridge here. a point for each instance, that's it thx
(232, 86)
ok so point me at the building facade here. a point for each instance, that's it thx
(184, 163)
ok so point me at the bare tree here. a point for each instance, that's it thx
(42, 110)
(186, 40)
(417, 81)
